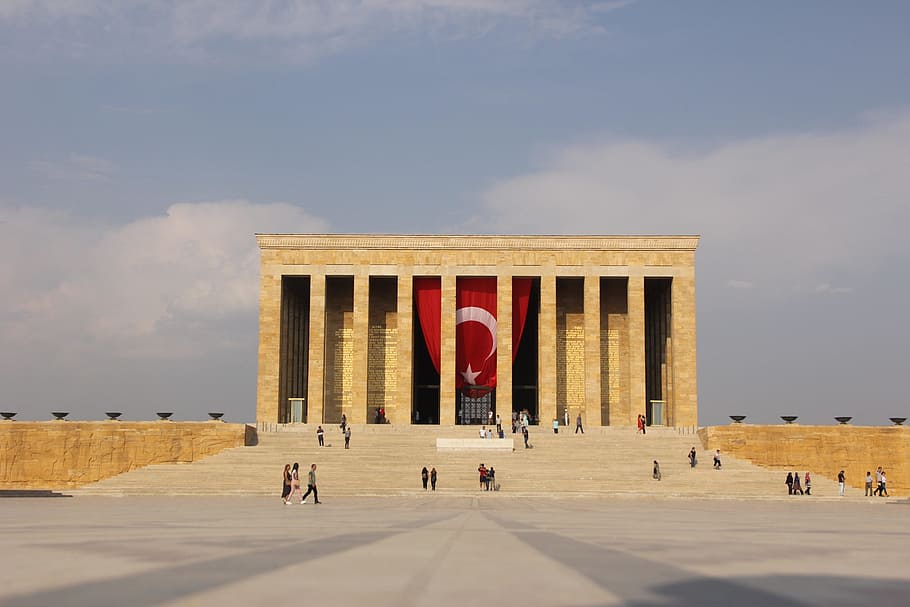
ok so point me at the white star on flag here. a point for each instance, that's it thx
(470, 375)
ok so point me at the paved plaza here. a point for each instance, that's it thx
(452, 550)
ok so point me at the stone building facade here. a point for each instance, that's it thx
(610, 329)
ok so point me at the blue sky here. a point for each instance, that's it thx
(144, 143)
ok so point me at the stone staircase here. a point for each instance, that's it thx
(386, 460)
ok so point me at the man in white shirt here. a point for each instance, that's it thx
(483, 432)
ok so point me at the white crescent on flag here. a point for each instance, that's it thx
(480, 315)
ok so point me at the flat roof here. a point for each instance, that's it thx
(478, 242)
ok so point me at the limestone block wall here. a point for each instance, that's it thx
(822, 450)
(63, 455)
(339, 351)
(382, 357)
(570, 349)
(614, 352)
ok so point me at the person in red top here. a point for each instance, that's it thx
(483, 475)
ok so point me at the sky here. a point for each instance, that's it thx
(143, 143)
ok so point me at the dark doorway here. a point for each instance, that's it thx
(525, 366)
(425, 395)
(294, 348)
(657, 335)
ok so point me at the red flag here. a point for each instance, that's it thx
(475, 332)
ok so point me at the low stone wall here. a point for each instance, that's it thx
(63, 454)
(822, 450)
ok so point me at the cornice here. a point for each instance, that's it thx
(475, 242)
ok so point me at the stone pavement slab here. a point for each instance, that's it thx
(449, 550)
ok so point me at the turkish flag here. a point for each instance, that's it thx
(475, 332)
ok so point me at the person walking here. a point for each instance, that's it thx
(424, 477)
(717, 464)
(578, 427)
(789, 482)
(295, 483)
(808, 484)
(311, 486)
(878, 481)
(347, 437)
(524, 435)
(433, 478)
(869, 490)
(796, 484)
(841, 480)
(656, 471)
(693, 458)
(344, 422)
(320, 436)
(286, 483)
(883, 488)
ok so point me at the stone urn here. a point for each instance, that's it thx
(164, 415)
(113, 415)
(842, 420)
(898, 421)
(59, 415)
(216, 416)
(737, 419)
(8, 415)
(789, 419)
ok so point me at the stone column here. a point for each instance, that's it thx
(447, 350)
(636, 296)
(404, 315)
(269, 346)
(504, 342)
(684, 408)
(546, 346)
(591, 416)
(316, 355)
(361, 337)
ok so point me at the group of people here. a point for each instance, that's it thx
(428, 476)
(520, 422)
(488, 432)
(578, 426)
(795, 485)
(487, 478)
(290, 484)
(881, 483)
(345, 432)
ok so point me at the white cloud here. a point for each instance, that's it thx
(159, 286)
(786, 210)
(302, 29)
(740, 284)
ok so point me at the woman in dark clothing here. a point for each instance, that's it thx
(424, 476)
(286, 483)
(433, 478)
(789, 483)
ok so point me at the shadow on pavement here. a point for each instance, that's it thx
(31, 493)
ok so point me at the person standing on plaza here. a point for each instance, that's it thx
(344, 422)
(483, 432)
(482, 471)
(286, 483)
(498, 423)
(693, 458)
(320, 436)
(347, 437)
(883, 488)
(717, 464)
(514, 422)
(311, 486)
(869, 490)
(490, 416)
(424, 477)
(491, 479)
(808, 484)
(433, 478)
(578, 427)
(796, 484)
(565, 416)
(295, 483)
(555, 426)
(656, 471)
(841, 480)
(789, 482)
(524, 435)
